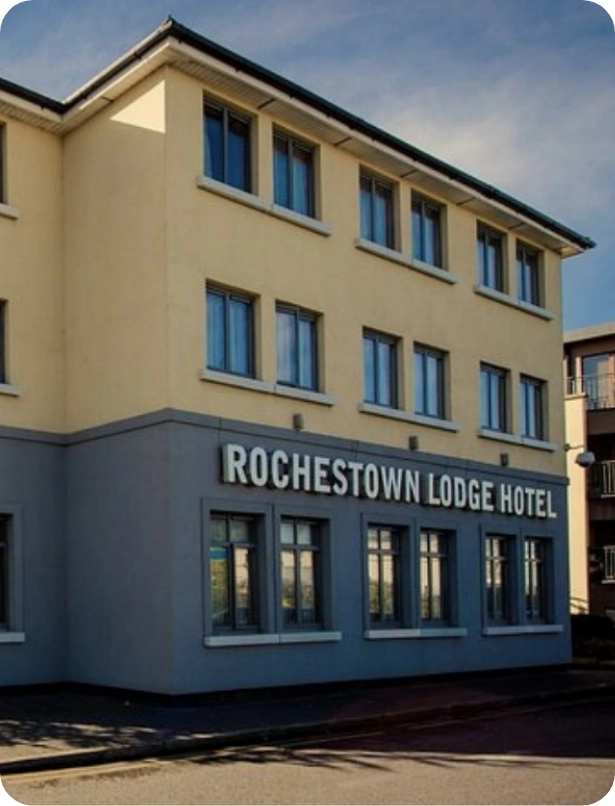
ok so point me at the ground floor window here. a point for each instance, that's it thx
(232, 568)
(535, 580)
(383, 547)
(4, 572)
(435, 551)
(301, 573)
(498, 587)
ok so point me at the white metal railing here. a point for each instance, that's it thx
(599, 389)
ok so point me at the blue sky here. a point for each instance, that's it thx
(520, 93)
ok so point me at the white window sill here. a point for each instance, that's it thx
(10, 389)
(404, 260)
(254, 384)
(261, 204)
(6, 211)
(506, 299)
(403, 634)
(12, 637)
(304, 394)
(524, 629)
(307, 222)
(515, 439)
(270, 639)
(407, 417)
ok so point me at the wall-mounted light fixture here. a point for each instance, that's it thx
(413, 442)
(298, 422)
(504, 459)
(585, 458)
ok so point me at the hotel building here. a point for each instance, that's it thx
(281, 395)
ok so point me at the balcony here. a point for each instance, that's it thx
(598, 389)
(602, 482)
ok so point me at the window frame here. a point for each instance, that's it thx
(419, 240)
(490, 375)
(392, 342)
(445, 560)
(369, 217)
(505, 562)
(300, 315)
(529, 277)
(228, 116)
(11, 628)
(422, 381)
(533, 408)
(536, 569)
(3, 164)
(317, 551)
(395, 553)
(252, 546)
(294, 144)
(492, 277)
(229, 297)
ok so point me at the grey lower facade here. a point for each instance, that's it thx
(112, 551)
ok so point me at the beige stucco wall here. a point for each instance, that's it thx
(31, 278)
(115, 229)
(578, 538)
(214, 239)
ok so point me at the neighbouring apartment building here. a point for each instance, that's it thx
(589, 368)
(281, 394)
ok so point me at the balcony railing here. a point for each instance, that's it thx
(603, 479)
(599, 389)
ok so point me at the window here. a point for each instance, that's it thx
(498, 588)
(377, 211)
(232, 572)
(230, 337)
(383, 545)
(535, 580)
(4, 572)
(429, 383)
(493, 398)
(227, 146)
(2, 163)
(532, 408)
(297, 347)
(599, 380)
(380, 369)
(435, 576)
(3, 341)
(426, 231)
(528, 275)
(301, 573)
(490, 253)
(609, 564)
(293, 174)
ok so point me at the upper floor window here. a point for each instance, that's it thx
(532, 404)
(493, 398)
(599, 380)
(230, 332)
(429, 382)
(380, 369)
(528, 275)
(301, 573)
(297, 347)
(377, 222)
(490, 254)
(384, 575)
(426, 231)
(293, 174)
(227, 146)
(233, 570)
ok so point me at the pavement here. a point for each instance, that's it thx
(59, 727)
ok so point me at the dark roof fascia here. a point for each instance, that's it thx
(32, 97)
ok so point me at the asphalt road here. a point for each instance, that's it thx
(557, 755)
